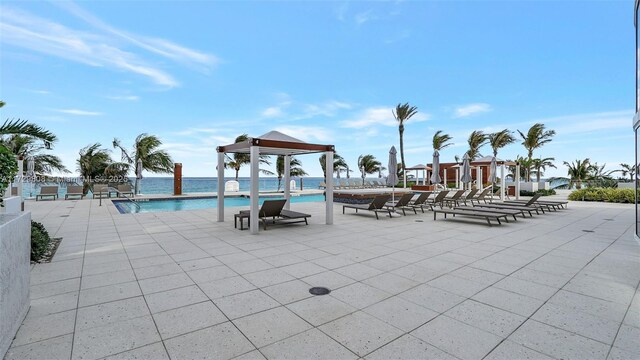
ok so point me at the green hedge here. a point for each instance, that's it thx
(543, 192)
(604, 194)
(40, 240)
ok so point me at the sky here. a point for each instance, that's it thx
(199, 73)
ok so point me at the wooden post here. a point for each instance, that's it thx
(177, 179)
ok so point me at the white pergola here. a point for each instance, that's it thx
(486, 162)
(273, 143)
(425, 170)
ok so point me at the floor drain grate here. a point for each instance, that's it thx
(588, 231)
(608, 219)
(319, 291)
(419, 220)
(64, 215)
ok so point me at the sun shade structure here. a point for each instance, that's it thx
(424, 169)
(273, 143)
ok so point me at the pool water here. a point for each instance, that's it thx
(159, 205)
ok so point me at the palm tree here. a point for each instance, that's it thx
(628, 170)
(146, 148)
(476, 140)
(540, 165)
(339, 164)
(578, 171)
(370, 165)
(294, 170)
(535, 138)
(240, 159)
(441, 141)
(23, 127)
(402, 113)
(95, 163)
(525, 168)
(26, 147)
(500, 139)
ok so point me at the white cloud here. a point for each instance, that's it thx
(41, 92)
(124, 97)
(397, 37)
(273, 111)
(78, 112)
(471, 109)
(363, 17)
(379, 116)
(98, 49)
(306, 133)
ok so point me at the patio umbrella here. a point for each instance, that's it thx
(466, 170)
(392, 179)
(138, 175)
(493, 172)
(31, 173)
(435, 168)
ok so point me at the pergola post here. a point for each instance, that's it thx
(444, 179)
(502, 183)
(220, 187)
(329, 187)
(254, 193)
(287, 180)
(458, 178)
(21, 177)
(517, 180)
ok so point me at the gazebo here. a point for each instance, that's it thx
(486, 162)
(273, 143)
(425, 169)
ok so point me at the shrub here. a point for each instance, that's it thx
(8, 169)
(604, 194)
(40, 240)
(542, 192)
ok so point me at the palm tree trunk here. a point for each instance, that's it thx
(279, 182)
(402, 150)
(237, 172)
(538, 174)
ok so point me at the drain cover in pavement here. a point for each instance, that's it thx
(608, 219)
(64, 215)
(319, 291)
(588, 230)
(419, 220)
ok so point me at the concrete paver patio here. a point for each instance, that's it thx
(182, 286)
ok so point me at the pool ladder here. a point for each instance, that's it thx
(109, 190)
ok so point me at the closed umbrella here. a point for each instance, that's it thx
(493, 174)
(435, 168)
(466, 170)
(392, 179)
(31, 174)
(138, 176)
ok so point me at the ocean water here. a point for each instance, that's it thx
(164, 185)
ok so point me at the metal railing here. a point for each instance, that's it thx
(109, 190)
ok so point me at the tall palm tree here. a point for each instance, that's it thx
(441, 141)
(500, 139)
(540, 165)
(578, 171)
(95, 163)
(339, 164)
(477, 139)
(370, 165)
(402, 113)
(628, 170)
(525, 168)
(146, 148)
(238, 160)
(27, 147)
(535, 138)
(294, 170)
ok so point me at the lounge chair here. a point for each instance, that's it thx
(529, 205)
(376, 205)
(548, 203)
(481, 197)
(421, 201)
(510, 212)
(100, 190)
(272, 212)
(48, 191)
(481, 214)
(438, 200)
(454, 199)
(322, 185)
(125, 189)
(74, 190)
(344, 184)
(402, 203)
(469, 196)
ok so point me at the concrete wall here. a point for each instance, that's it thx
(15, 252)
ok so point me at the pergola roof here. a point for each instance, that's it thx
(419, 167)
(486, 160)
(275, 143)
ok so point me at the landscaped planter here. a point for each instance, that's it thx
(15, 252)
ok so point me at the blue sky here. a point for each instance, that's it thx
(199, 73)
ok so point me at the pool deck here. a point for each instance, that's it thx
(180, 285)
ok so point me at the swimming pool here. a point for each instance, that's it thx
(196, 203)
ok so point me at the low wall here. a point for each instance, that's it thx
(15, 252)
